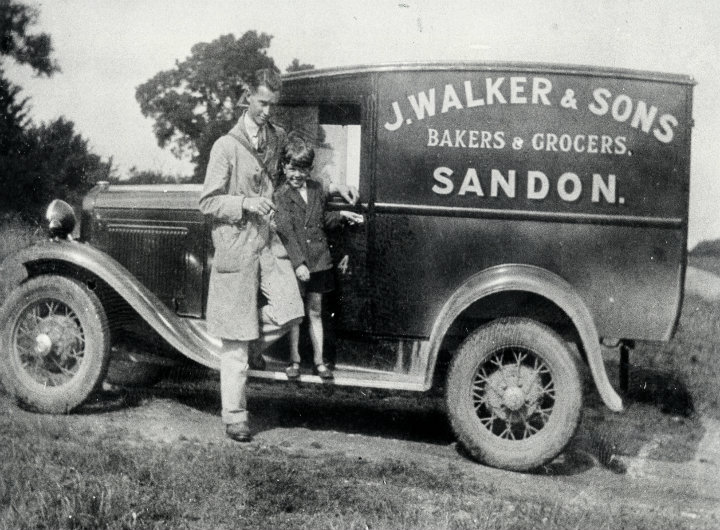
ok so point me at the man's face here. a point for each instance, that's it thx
(260, 103)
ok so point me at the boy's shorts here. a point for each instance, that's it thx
(320, 282)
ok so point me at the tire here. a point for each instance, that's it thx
(54, 343)
(134, 374)
(514, 394)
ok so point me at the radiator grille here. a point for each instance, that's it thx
(154, 255)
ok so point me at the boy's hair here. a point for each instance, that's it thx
(298, 152)
(269, 77)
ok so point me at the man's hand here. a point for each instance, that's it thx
(349, 193)
(259, 205)
(303, 273)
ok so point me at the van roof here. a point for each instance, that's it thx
(540, 68)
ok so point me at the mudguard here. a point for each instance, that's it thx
(185, 335)
(528, 278)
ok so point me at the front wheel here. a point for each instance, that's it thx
(54, 343)
(514, 395)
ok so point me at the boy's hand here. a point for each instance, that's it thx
(352, 217)
(303, 273)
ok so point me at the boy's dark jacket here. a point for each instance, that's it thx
(301, 226)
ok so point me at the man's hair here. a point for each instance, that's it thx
(298, 152)
(269, 77)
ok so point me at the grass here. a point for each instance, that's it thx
(51, 477)
(16, 234)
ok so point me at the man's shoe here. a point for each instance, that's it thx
(240, 432)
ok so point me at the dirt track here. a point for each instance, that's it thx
(672, 463)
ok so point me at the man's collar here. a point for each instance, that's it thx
(251, 127)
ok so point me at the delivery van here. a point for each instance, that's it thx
(518, 218)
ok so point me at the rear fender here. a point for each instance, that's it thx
(517, 277)
(186, 336)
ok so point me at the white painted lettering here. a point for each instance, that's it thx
(493, 90)
(562, 187)
(470, 102)
(643, 117)
(424, 104)
(540, 91)
(446, 140)
(507, 185)
(620, 146)
(538, 141)
(517, 87)
(600, 105)
(398, 118)
(665, 132)
(445, 186)
(607, 189)
(473, 140)
(624, 102)
(536, 178)
(450, 100)
(471, 183)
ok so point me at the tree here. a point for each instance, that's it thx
(37, 163)
(34, 50)
(195, 102)
(297, 66)
(54, 162)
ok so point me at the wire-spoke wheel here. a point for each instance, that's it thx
(514, 395)
(54, 343)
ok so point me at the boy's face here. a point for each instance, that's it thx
(296, 176)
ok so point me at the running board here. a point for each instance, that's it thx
(348, 377)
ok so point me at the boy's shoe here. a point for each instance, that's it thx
(292, 371)
(240, 432)
(323, 371)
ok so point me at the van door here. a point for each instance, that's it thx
(340, 135)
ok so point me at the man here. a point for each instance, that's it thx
(249, 257)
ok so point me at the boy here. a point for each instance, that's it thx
(301, 220)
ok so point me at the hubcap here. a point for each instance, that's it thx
(43, 344)
(514, 398)
(49, 343)
(513, 393)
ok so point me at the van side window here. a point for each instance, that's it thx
(335, 131)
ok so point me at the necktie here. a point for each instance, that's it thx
(261, 140)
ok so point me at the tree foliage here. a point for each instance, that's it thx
(37, 163)
(195, 102)
(297, 66)
(16, 41)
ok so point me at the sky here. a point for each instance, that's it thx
(106, 48)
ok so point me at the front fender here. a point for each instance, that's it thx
(184, 335)
(528, 278)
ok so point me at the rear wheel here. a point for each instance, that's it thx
(514, 395)
(54, 343)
